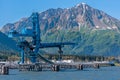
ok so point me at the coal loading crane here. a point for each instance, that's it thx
(32, 48)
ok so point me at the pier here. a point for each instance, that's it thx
(4, 68)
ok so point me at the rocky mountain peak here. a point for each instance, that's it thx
(83, 6)
(73, 18)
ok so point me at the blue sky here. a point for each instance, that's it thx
(13, 10)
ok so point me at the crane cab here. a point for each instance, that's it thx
(12, 33)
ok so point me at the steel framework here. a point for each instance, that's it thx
(31, 48)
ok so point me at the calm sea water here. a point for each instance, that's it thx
(104, 73)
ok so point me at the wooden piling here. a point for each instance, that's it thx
(96, 66)
(38, 67)
(80, 67)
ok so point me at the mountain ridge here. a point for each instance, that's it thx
(96, 32)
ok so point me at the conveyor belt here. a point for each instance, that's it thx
(44, 59)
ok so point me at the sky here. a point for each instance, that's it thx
(13, 10)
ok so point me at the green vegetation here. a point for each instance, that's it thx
(11, 56)
(90, 41)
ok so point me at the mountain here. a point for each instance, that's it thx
(7, 45)
(96, 32)
(69, 18)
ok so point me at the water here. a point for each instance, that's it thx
(104, 73)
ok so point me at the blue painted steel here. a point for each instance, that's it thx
(24, 33)
(22, 56)
(33, 59)
(55, 44)
(27, 32)
(36, 37)
(36, 40)
(37, 31)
